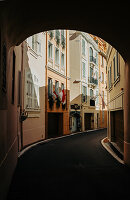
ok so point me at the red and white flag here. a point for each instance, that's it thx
(62, 95)
(55, 94)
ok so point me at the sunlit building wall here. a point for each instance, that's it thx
(84, 81)
(115, 94)
(57, 83)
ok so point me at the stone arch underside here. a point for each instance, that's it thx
(110, 22)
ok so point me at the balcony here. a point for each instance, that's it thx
(63, 40)
(93, 60)
(92, 81)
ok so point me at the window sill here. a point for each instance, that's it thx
(33, 113)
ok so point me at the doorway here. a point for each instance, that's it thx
(55, 125)
(117, 128)
(89, 121)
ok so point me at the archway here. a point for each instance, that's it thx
(14, 16)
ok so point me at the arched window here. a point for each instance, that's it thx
(91, 54)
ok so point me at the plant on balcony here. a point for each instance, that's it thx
(51, 34)
(51, 101)
(58, 101)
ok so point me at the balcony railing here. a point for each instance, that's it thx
(93, 80)
(92, 59)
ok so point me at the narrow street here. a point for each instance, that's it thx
(71, 167)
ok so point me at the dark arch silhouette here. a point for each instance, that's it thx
(108, 21)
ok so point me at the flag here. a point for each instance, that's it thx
(62, 96)
(55, 94)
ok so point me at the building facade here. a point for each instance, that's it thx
(115, 94)
(57, 83)
(84, 88)
(32, 86)
(102, 45)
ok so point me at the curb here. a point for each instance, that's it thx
(51, 139)
(111, 151)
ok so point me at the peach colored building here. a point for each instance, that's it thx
(115, 93)
(57, 83)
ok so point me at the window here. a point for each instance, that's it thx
(97, 98)
(103, 116)
(91, 93)
(84, 94)
(32, 91)
(114, 67)
(57, 87)
(91, 54)
(50, 50)
(117, 63)
(35, 43)
(83, 70)
(109, 77)
(102, 61)
(38, 44)
(102, 77)
(91, 51)
(13, 78)
(83, 47)
(91, 72)
(50, 87)
(57, 56)
(62, 60)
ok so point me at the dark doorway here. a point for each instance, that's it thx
(87, 121)
(55, 124)
(117, 128)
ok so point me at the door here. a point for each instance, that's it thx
(55, 124)
(87, 123)
(74, 124)
(117, 128)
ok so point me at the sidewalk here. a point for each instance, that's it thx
(110, 147)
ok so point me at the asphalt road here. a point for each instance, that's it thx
(77, 166)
